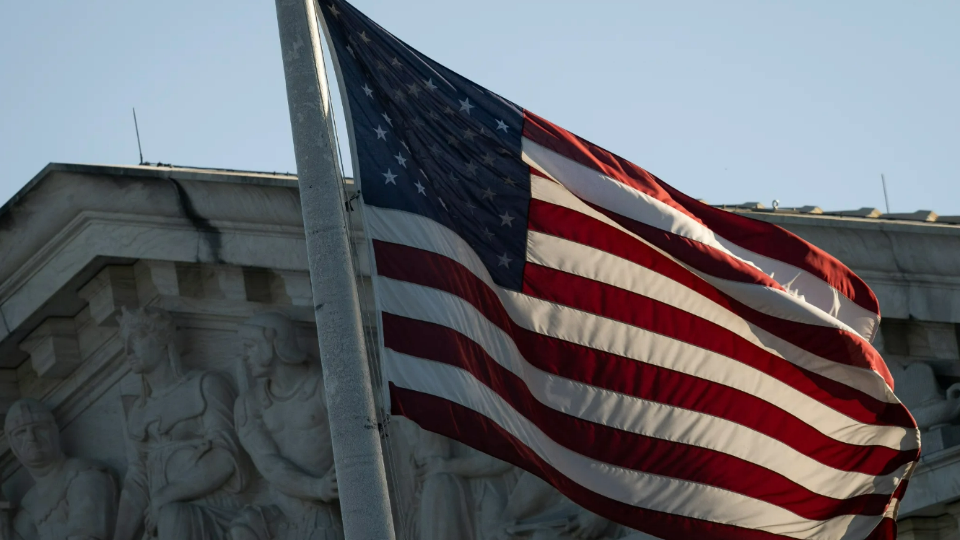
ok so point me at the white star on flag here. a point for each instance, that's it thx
(334, 11)
(420, 189)
(488, 194)
(504, 260)
(367, 90)
(401, 160)
(381, 133)
(430, 86)
(388, 119)
(465, 105)
(506, 219)
(502, 125)
(390, 177)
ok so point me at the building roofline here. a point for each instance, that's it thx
(158, 171)
(234, 176)
(876, 221)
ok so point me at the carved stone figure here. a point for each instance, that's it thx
(917, 388)
(468, 495)
(73, 498)
(537, 511)
(185, 461)
(444, 510)
(490, 482)
(283, 424)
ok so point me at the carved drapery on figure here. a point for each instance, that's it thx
(72, 498)
(444, 509)
(283, 424)
(186, 463)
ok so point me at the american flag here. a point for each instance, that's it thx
(678, 369)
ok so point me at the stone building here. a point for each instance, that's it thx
(134, 302)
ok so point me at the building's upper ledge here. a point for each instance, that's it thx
(161, 171)
(920, 217)
(285, 179)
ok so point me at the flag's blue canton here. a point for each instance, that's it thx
(431, 142)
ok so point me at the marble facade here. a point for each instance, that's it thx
(158, 361)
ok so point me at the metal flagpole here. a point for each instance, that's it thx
(361, 478)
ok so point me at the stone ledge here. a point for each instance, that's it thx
(53, 348)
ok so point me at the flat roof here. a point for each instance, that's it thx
(206, 174)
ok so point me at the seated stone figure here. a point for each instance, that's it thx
(73, 498)
(283, 424)
(535, 510)
(186, 464)
(489, 482)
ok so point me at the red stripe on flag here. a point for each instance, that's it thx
(832, 344)
(640, 311)
(617, 447)
(431, 270)
(763, 238)
(776, 243)
(477, 431)
(696, 254)
(553, 137)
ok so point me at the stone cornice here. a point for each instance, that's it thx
(71, 220)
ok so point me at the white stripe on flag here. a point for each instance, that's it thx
(625, 412)
(597, 265)
(567, 324)
(599, 189)
(757, 297)
(635, 488)
(397, 226)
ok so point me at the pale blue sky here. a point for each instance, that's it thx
(731, 101)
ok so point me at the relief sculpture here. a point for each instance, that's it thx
(283, 424)
(186, 464)
(917, 387)
(72, 498)
(444, 507)
(465, 494)
(207, 464)
(537, 511)
(488, 481)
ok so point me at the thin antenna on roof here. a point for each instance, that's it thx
(137, 127)
(885, 198)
